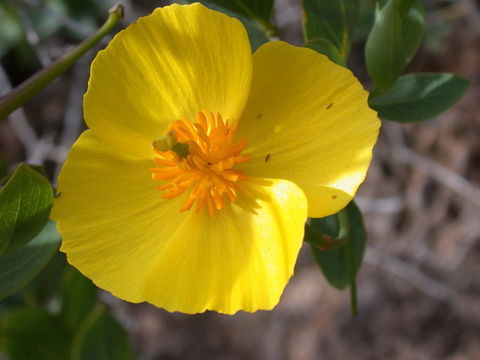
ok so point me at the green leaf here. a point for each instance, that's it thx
(384, 53)
(101, 337)
(260, 10)
(413, 29)
(38, 168)
(366, 19)
(404, 6)
(335, 264)
(254, 15)
(419, 97)
(394, 39)
(325, 47)
(20, 267)
(33, 333)
(79, 296)
(331, 20)
(25, 203)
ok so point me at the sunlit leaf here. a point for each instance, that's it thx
(25, 203)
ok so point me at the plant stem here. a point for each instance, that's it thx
(344, 227)
(23, 92)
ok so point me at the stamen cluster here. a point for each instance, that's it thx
(207, 169)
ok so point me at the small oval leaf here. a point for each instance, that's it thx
(384, 53)
(418, 97)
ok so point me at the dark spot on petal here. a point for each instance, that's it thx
(209, 163)
(259, 116)
(334, 196)
(329, 106)
(267, 157)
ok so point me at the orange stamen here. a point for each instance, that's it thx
(207, 170)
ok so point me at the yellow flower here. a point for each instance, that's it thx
(191, 188)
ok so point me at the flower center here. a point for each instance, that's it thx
(200, 157)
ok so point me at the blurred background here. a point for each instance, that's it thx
(419, 289)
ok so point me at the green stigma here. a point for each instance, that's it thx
(169, 142)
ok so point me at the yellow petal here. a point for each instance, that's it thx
(239, 259)
(106, 199)
(119, 232)
(168, 65)
(307, 120)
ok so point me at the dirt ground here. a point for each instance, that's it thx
(419, 289)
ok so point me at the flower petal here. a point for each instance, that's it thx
(307, 120)
(119, 232)
(168, 65)
(239, 259)
(106, 205)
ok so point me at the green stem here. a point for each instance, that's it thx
(22, 93)
(344, 227)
